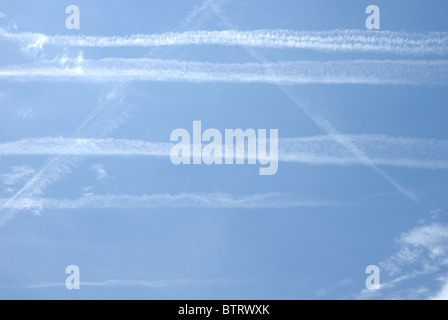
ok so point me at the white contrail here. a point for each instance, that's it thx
(182, 200)
(381, 150)
(373, 72)
(319, 120)
(98, 124)
(362, 156)
(85, 147)
(127, 283)
(402, 43)
(320, 150)
(101, 121)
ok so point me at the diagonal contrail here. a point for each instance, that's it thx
(98, 124)
(320, 121)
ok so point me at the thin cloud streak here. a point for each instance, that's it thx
(182, 200)
(369, 72)
(381, 150)
(402, 43)
(17, 175)
(129, 283)
(85, 147)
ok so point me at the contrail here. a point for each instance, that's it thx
(164, 283)
(401, 43)
(85, 147)
(182, 200)
(320, 121)
(362, 156)
(97, 124)
(370, 72)
(107, 115)
(382, 150)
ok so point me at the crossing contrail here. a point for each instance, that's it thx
(106, 116)
(97, 124)
(320, 121)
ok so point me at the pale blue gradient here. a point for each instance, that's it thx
(357, 213)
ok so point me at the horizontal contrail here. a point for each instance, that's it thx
(127, 283)
(321, 150)
(374, 72)
(105, 116)
(85, 147)
(182, 200)
(434, 43)
(381, 150)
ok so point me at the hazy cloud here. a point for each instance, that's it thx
(18, 174)
(100, 172)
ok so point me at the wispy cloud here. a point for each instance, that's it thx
(100, 172)
(372, 72)
(421, 251)
(18, 174)
(7, 23)
(443, 293)
(424, 243)
(197, 16)
(328, 41)
(182, 200)
(340, 284)
(26, 113)
(381, 150)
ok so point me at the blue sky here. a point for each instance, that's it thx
(364, 129)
